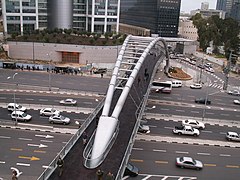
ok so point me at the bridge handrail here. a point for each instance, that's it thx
(65, 150)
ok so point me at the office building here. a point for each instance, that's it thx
(208, 13)
(205, 6)
(24, 16)
(160, 17)
(231, 7)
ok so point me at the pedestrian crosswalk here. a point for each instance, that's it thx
(160, 177)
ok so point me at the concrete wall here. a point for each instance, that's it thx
(50, 51)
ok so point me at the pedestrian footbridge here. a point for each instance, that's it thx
(113, 125)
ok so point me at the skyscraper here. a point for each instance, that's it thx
(160, 16)
(231, 7)
(24, 16)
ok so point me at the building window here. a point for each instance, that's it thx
(70, 57)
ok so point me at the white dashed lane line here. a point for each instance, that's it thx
(204, 154)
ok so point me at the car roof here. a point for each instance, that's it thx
(18, 112)
(190, 120)
(12, 104)
(232, 133)
(47, 108)
(187, 158)
(68, 99)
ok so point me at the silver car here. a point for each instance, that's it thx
(232, 136)
(59, 119)
(68, 102)
(49, 112)
(188, 162)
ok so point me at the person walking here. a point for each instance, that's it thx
(85, 136)
(60, 163)
(14, 175)
(109, 176)
(99, 174)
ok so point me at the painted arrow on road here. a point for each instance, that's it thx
(38, 145)
(33, 158)
(44, 136)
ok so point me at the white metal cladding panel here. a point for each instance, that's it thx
(47, 51)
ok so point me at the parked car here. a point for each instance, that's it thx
(144, 129)
(68, 102)
(49, 112)
(188, 162)
(236, 101)
(232, 136)
(18, 107)
(234, 93)
(59, 119)
(100, 71)
(196, 86)
(202, 101)
(20, 116)
(131, 170)
(201, 66)
(193, 123)
(209, 69)
(176, 83)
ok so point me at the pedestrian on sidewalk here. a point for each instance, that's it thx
(14, 175)
(85, 137)
(109, 176)
(60, 163)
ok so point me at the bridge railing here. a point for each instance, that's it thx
(53, 165)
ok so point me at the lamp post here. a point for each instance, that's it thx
(14, 96)
(205, 103)
(49, 73)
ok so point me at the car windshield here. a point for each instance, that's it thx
(53, 110)
(24, 115)
(19, 106)
(62, 117)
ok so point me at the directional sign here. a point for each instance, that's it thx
(44, 136)
(33, 158)
(38, 145)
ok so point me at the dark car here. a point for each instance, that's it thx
(131, 170)
(202, 101)
(100, 71)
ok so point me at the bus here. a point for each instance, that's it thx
(162, 86)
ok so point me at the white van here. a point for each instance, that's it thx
(20, 116)
(176, 83)
(18, 107)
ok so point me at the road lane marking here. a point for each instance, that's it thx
(33, 158)
(37, 145)
(179, 110)
(206, 131)
(161, 162)
(39, 151)
(29, 99)
(205, 154)
(139, 149)
(25, 139)
(181, 152)
(224, 114)
(3, 98)
(194, 111)
(46, 141)
(209, 113)
(225, 155)
(164, 109)
(223, 133)
(147, 177)
(136, 160)
(44, 136)
(159, 150)
(16, 149)
(168, 127)
(43, 99)
(5, 137)
(2, 162)
(23, 164)
(232, 166)
(210, 165)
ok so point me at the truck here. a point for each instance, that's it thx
(186, 130)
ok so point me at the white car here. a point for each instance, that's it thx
(68, 102)
(236, 101)
(234, 93)
(188, 162)
(17, 107)
(49, 112)
(59, 119)
(209, 69)
(20, 116)
(193, 123)
(232, 136)
(196, 86)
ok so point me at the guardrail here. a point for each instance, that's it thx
(53, 165)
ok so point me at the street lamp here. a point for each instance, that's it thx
(49, 73)
(205, 103)
(14, 98)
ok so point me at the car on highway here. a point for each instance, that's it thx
(236, 101)
(193, 123)
(18, 107)
(68, 102)
(189, 162)
(234, 93)
(131, 170)
(59, 119)
(196, 86)
(144, 129)
(232, 136)
(186, 130)
(20, 116)
(203, 101)
(49, 112)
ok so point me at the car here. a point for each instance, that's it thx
(232, 136)
(209, 69)
(193, 123)
(176, 83)
(18, 107)
(131, 170)
(202, 101)
(59, 119)
(236, 101)
(234, 93)
(201, 66)
(186, 130)
(189, 162)
(208, 65)
(196, 86)
(143, 129)
(49, 112)
(20, 116)
(100, 71)
(68, 102)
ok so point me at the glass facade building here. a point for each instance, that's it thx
(24, 16)
(159, 16)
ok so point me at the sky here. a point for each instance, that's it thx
(188, 5)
